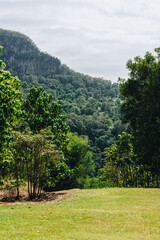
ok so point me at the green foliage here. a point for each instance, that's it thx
(98, 128)
(121, 168)
(34, 153)
(90, 109)
(92, 106)
(78, 165)
(40, 112)
(97, 182)
(37, 151)
(140, 108)
(78, 155)
(81, 96)
(86, 101)
(22, 55)
(61, 176)
(10, 110)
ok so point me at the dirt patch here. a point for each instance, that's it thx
(8, 197)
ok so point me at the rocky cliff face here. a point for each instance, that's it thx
(23, 57)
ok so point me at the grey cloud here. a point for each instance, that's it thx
(16, 21)
(91, 36)
(61, 31)
(121, 13)
(72, 3)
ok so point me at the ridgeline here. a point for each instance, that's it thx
(92, 105)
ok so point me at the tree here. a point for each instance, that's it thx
(10, 110)
(120, 168)
(141, 108)
(40, 112)
(42, 137)
(79, 159)
(73, 170)
(33, 157)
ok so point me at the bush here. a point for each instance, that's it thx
(97, 183)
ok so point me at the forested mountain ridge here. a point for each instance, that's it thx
(23, 56)
(91, 104)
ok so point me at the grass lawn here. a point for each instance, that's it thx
(112, 213)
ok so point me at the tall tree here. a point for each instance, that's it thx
(33, 154)
(10, 109)
(141, 107)
(41, 112)
(79, 159)
(120, 168)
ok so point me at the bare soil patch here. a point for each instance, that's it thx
(8, 197)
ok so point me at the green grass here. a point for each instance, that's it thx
(101, 214)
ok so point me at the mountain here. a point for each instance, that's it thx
(91, 104)
(23, 56)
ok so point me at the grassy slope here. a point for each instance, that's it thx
(120, 214)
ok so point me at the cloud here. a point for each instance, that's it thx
(92, 36)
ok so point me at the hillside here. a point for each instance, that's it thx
(91, 104)
(23, 57)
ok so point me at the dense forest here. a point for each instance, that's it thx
(134, 159)
(92, 105)
(61, 129)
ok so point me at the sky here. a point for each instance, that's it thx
(94, 37)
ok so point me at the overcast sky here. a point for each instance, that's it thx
(95, 37)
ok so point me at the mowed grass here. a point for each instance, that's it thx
(113, 213)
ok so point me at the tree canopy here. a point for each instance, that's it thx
(40, 112)
(35, 146)
(10, 109)
(86, 100)
(141, 107)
